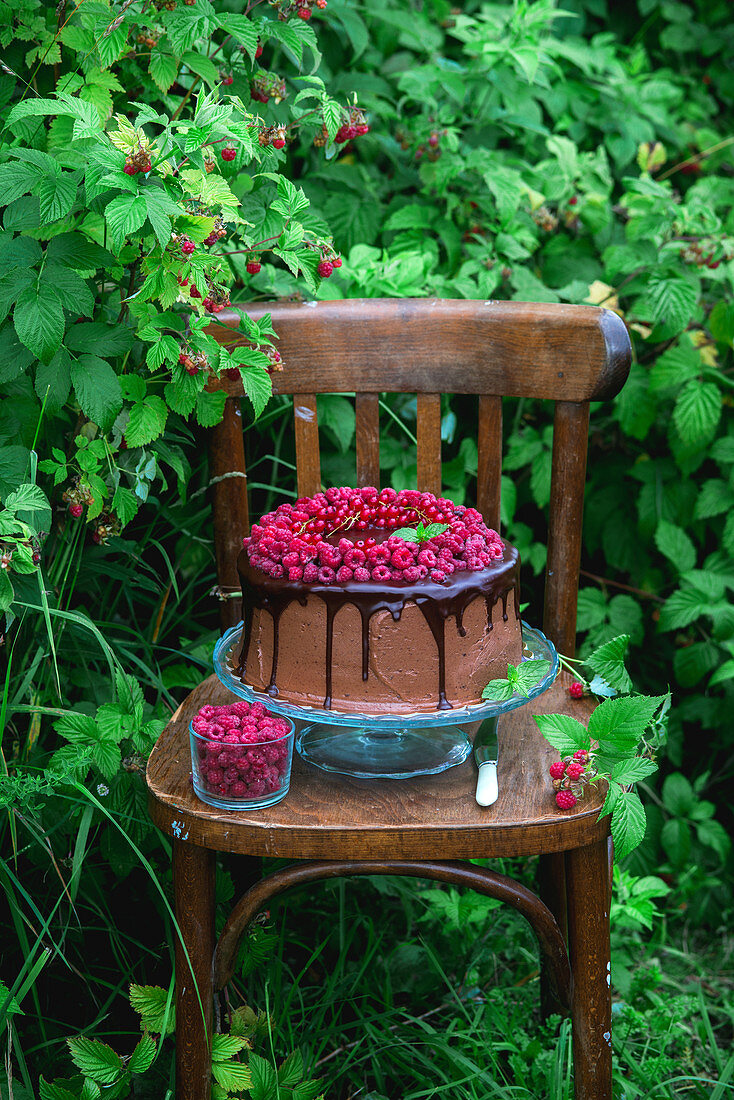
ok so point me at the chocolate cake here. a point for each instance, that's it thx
(377, 602)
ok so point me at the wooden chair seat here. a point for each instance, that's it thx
(327, 816)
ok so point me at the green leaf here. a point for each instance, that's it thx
(56, 195)
(95, 1060)
(409, 534)
(29, 498)
(107, 757)
(608, 662)
(53, 381)
(210, 407)
(673, 301)
(226, 1046)
(70, 289)
(628, 823)
(124, 215)
(165, 349)
(713, 835)
(7, 595)
(692, 662)
(675, 837)
(680, 609)
(530, 673)
(678, 796)
(434, 529)
(232, 1076)
(337, 414)
(258, 386)
(51, 1090)
(497, 690)
(163, 68)
(290, 1071)
(618, 724)
(76, 727)
(143, 1056)
(39, 321)
(98, 338)
(674, 543)
(150, 1002)
(715, 497)
(565, 734)
(125, 505)
(97, 389)
(632, 771)
(160, 209)
(16, 180)
(264, 1078)
(146, 422)
(243, 29)
(697, 412)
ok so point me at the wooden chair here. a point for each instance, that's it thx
(333, 825)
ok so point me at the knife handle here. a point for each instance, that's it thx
(487, 784)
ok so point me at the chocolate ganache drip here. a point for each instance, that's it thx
(437, 602)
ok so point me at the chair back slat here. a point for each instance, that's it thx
(368, 439)
(308, 462)
(230, 513)
(489, 445)
(568, 474)
(429, 443)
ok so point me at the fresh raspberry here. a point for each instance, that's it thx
(438, 575)
(325, 269)
(321, 4)
(229, 79)
(187, 246)
(336, 262)
(278, 142)
(129, 169)
(581, 756)
(304, 13)
(208, 305)
(229, 152)
(576, 690)
(574, 770)
(565, 800)
(259, 50)
(76, 510)
(238, 789)
(253, 267)
(327, 575)
(557, 769)
(194, 292)
(433, 140)
(573, 200)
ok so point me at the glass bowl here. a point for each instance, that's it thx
(233, 776)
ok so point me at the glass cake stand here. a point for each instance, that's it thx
(383, 746)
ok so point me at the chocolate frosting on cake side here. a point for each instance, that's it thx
(381, 646)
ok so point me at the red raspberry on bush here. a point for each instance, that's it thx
(574, 770)
(253, 267)
(304, 13)
(576, 690)
(76, 510)
(582, 756)
(187, 246)
(557, 769)
(565, 800)
(325, 269)
(229, 152)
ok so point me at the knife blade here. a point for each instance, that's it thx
(486, 753)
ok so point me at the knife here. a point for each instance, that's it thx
(485, 755)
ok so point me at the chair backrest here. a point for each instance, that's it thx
(567, 354)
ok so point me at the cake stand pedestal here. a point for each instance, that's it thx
(383, 746)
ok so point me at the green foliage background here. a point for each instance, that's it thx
(516, 150)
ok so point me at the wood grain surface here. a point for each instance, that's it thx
(429, 345)
(308, 462)
(367, 412)
(429, 443)
(489, 460)
(327, 816)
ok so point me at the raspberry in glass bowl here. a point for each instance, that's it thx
(241, 756)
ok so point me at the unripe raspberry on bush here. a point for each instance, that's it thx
(557, 769)
(565, 800)
(229, 152)
(576, 690)
(321, 4)
(325, 269)
(253, 266)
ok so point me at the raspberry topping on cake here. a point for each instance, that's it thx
(347, 534)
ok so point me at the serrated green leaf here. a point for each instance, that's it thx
(29, 497)
(680, 609)
(143, 1056)
(231, 1076)
(672, 301)
(53, 381)
(243, 29)
(161, 209)
(210, 407)
(697, 412)
(225, 1047)
(163, 69)
(564, 733)
(51, 1090)
(675, 837)
(95, 1060)
(628, 823)
(124, 215)
(56, 195)
(125, 505)
(498, 690)
(530, 673)
(264, 1078)
(39, 321)
(408, 534)
(715, 497)
(691, 663)
(633, 770)
(258, 387)
(97, 389)
(290, 1071)
(608, 662)
(150, 1002)
(674, 543)
(165, 348)
(618, 724)
(147, 420)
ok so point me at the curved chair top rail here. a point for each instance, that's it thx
(430, 345)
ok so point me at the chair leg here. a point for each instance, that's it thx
(193, 885)
(552, 891)
(587, 883)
